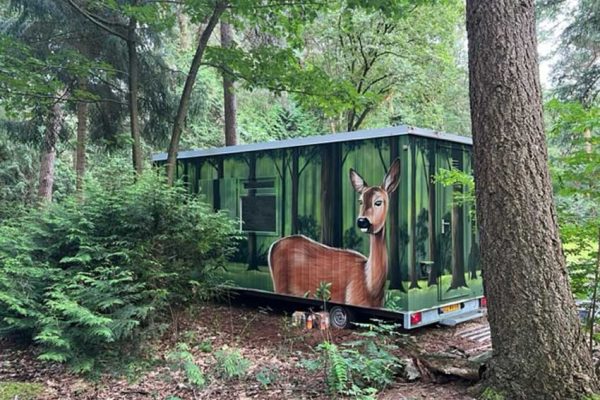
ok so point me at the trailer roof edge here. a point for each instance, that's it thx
(321, 139)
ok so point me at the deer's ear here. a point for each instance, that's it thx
(358, 182)
(392, 178)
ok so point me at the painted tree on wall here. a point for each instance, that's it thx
(296, 169)
(331, 194)
(434, 271)
(457, 228)
(394, 224)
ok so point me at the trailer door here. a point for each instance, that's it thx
(451, 226)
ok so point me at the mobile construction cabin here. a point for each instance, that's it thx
(402, 246)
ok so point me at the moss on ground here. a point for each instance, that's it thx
(20, 390)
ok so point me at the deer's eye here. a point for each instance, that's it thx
(378, 202)
(360, 202)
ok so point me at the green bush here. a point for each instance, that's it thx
(83, 276)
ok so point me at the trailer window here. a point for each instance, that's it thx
(258, 205)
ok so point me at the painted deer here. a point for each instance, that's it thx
(299, 265)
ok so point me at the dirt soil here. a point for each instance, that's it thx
(263, 336)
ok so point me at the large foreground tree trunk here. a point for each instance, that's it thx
(53, 126)
(190, 80)
(538, 344)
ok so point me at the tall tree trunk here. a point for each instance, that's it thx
(82, 116)
(283, 190)
(434, 272)
(393, 218)
(229, 102)
(295, 189)
(217, 184)
(539, 350)
(252, 245)
(182, 24)
(414, 279)
(474, 256)
(457, 231)
(184, 101)
(331, 199)
(53, 126)
(136, 152)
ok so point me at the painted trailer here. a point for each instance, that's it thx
(355, 217)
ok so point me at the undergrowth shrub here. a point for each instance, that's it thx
(230, 364)
(182, 359)
(362, 368)
(82, 277)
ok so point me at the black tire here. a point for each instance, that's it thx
(340, 317)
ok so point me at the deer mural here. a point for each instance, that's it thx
(298, 264)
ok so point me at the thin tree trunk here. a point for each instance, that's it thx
(217, 184)
(229, 101)
(539, 347)
(394, 217)
(295, 189)
(184, 101)
(46, 179)
(182, 24)
(136, 152)
(587, 135)
(434, 272)
(82, 116)
(457, 231)
(331, 200)
(414, 279)
(592, 318)
(252, 245)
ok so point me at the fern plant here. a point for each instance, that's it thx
(183, 360)
(337, 368)
(359, 369)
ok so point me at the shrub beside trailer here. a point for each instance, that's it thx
(354, 217)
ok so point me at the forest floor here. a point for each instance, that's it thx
(265, 337)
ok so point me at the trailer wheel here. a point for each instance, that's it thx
(340, 317)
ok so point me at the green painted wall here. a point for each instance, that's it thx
(434, 256)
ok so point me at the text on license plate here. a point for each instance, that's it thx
(451, 308)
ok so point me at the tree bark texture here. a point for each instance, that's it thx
(229, 101)
(82, 116)
(53, 126)
(136, 152)
(538, 344)
(184, 101)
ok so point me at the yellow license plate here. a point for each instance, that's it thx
(452, 308)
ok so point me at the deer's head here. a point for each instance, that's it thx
(374, 200)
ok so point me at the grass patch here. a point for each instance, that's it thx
(20, 390)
